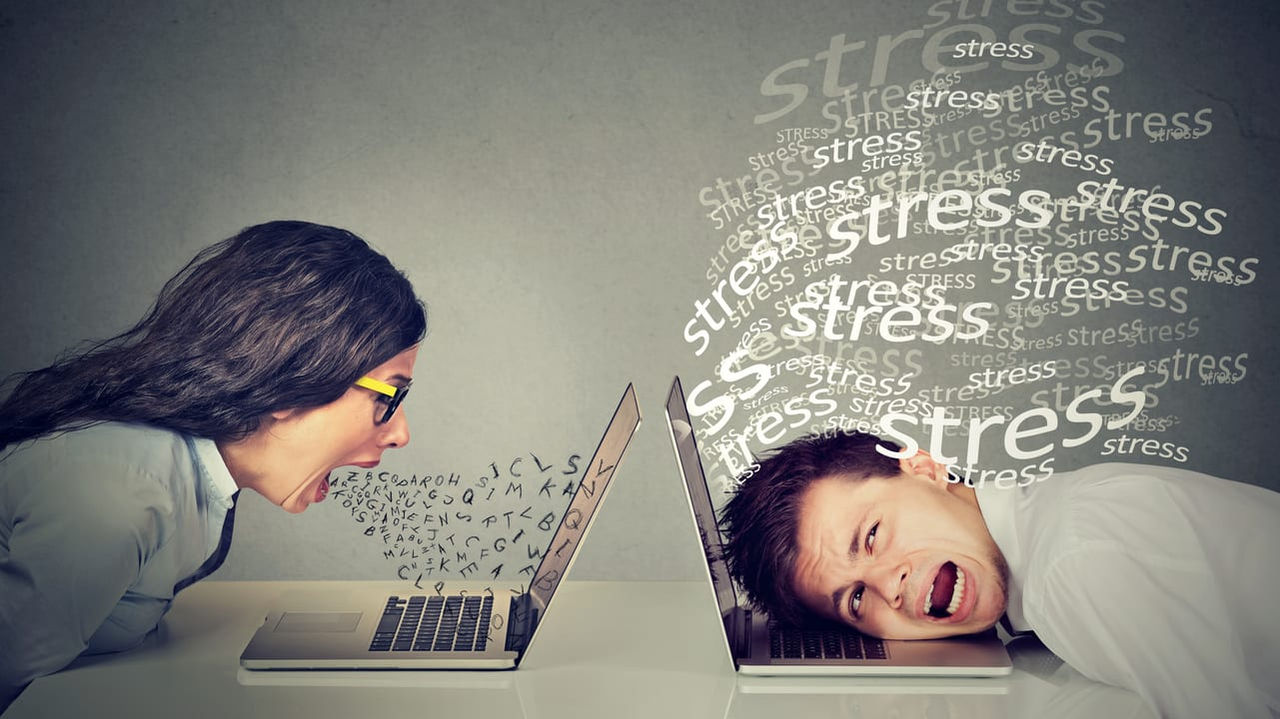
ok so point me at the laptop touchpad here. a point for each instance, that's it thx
(318, 622)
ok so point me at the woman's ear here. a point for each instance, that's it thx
(283, 414)
(923, 465)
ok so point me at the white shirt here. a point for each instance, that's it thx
(96, 528)
(1157, 579)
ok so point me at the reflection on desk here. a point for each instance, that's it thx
(616, 649)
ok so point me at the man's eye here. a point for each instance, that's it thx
(855, 601)
(871, 536)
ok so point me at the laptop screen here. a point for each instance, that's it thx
(591, 489)
(704, 515)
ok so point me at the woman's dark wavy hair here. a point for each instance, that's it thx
(283, 315)
(762, 516)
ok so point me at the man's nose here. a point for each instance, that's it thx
(889, 580)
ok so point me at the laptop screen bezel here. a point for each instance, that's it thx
(701, 507)
(594, 484)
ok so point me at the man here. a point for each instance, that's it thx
(1156, 579)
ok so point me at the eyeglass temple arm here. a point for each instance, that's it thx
(377, 386)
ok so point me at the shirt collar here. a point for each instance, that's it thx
(999, 510)
(219, 485)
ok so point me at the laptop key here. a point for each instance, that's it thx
(852, 645)
(390, 620)
(874, 648)
(791, 648)
(482, 628)
(831, 645)
(448, 624)
(427, 630)
(408, 628)
(384, 634)
(812, 645)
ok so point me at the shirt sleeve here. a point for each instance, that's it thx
(71, 556)
(1151, 623)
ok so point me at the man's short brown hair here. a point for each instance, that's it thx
(760, 519)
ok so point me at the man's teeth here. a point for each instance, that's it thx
(957, 594)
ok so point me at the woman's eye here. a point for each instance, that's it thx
(855, 601)
(871, 536)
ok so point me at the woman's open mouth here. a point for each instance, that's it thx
(322, 491)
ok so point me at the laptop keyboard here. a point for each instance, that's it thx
(452, 623)
(796, 643)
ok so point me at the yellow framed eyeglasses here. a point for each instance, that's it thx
(394, 395)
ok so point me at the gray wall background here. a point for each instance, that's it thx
(534, 168)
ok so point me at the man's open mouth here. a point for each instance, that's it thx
(947, 592)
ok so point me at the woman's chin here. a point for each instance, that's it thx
(305, 496)
(297, 502)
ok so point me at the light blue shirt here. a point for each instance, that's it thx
(96, 527)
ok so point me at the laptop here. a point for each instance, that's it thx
(760, 645)
(449, 625)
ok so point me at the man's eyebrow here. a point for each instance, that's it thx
(857, 536)
(400, 377)
(853, 552)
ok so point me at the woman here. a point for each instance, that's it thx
(272, 358)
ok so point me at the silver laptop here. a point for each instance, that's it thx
(450, 625)
(758, 645)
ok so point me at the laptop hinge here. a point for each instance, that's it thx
(522, 620)
(739, 637)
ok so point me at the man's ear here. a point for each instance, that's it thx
(923, 465)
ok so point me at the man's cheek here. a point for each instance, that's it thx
(877, 625)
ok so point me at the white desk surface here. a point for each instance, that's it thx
(607, 649)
